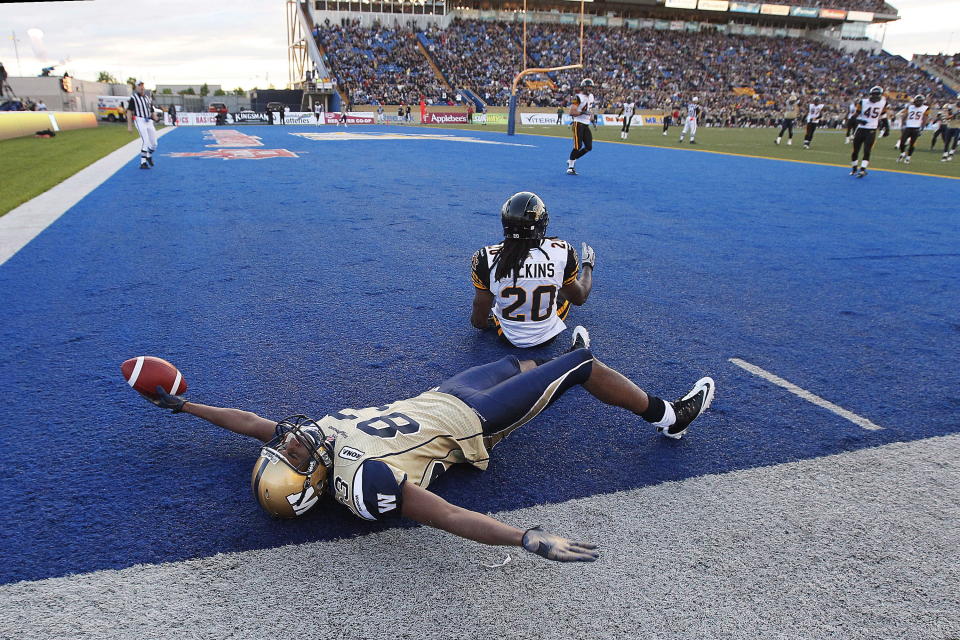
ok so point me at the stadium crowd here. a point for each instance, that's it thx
(378, 64)
(741, 80)
(945, 65)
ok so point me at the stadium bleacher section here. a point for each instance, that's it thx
(741, 79)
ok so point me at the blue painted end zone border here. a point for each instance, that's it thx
(340, 278)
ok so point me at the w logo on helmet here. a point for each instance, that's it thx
(301, 502)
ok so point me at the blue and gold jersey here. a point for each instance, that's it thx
(378, 449)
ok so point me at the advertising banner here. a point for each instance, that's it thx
(353, 117)
(681, 4)
(747, 7)
(297, 117)
(804, 12)
(860, 16)
(713, 5)
(444, 117)
(775, 9)
(187, 119)
(541, 118)
(834, 14)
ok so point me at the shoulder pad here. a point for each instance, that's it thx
(376, 492)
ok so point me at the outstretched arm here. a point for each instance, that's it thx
(430, 509)
(239, 421)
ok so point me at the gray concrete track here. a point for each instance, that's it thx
(858, 545)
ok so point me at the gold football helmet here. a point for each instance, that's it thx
(291, 473)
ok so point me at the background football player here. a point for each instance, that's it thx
(582, 113)
(915, 119)
(869, 112)
(379, 461)
(529, 280)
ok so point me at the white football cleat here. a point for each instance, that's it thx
(580, 339)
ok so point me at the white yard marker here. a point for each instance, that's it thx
(806, 395)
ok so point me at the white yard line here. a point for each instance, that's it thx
(806, 395)
(25, 223)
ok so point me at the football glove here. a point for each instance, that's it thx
(588, 256)
(166, 401)
(552, 547)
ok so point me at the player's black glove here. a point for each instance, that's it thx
(552, 547)
(166, 401)
(588, 256)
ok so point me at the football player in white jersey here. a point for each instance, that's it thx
(529, 280)
(951, 136)
(694, 111)
(582, 113)
(378, 462)
(814, 114)
(791, 109)
(914, 122)
(869, 112)
(627, 109)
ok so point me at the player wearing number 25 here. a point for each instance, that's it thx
(379, 461)
(529, 280)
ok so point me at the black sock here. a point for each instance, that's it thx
(655, 409)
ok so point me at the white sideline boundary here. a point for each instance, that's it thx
(860, 421)
(21, 225)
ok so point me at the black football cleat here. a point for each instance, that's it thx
(862, 173)
(853, 171)
(689, 407)
(144, 165)
(580, 338)
(571, 171)
(150, 160)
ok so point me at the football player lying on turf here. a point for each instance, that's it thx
(379, 461)
(529, 280)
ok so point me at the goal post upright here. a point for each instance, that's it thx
(512, 105)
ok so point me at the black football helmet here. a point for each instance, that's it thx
(876, 93)
(586, 82)
(918, 100)
(524, 217)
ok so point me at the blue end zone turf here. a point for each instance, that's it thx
(340, 278)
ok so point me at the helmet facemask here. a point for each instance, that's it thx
(284, 484)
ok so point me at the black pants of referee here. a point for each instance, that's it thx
(667, 121)
(786, 125)
(909, 134)
(582, 140)
(863, 138)
(811, 127)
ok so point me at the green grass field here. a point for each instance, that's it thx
(827, 147)
(30, 166)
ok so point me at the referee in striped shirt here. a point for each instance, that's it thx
(140, 112)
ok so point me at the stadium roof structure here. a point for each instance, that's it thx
(779, 13)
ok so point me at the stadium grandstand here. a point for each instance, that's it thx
(741, 58)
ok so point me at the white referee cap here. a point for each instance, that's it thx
(138, 83)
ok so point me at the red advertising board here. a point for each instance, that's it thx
(444, 117)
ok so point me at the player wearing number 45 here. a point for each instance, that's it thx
(869, 112)
(379, 462)
(529, 280)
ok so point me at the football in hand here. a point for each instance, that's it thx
(146, 373)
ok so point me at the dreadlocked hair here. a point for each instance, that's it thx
(510, 259)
